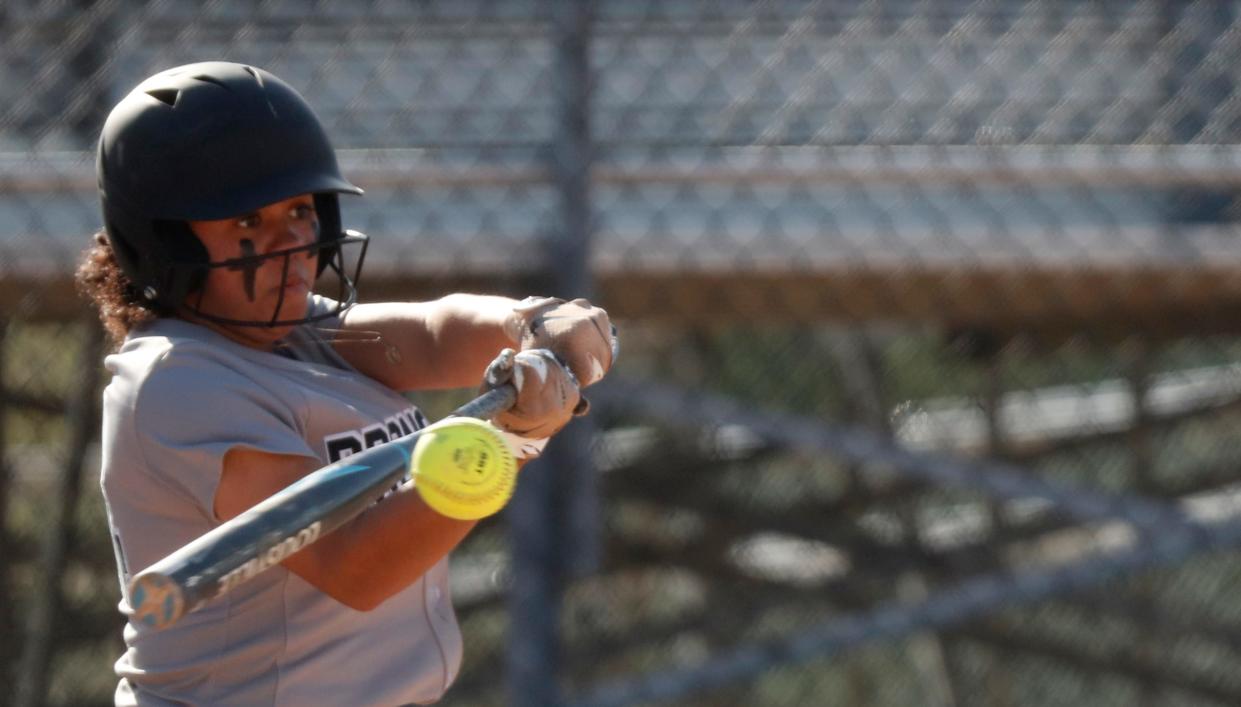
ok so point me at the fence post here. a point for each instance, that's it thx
(573, 156)
(8, 627)
(554, 517)
(82, 418)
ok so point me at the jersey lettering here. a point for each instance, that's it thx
(403, 424)
(375, 435)
(342, 444)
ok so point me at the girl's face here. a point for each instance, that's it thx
(253, 291)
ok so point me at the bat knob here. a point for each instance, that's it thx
(155, 601)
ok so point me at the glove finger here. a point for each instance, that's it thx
(607, 332)
(533, 304)
(500, 370)
(591, 355)
(547, 395)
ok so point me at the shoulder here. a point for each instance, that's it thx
(166, 351)
(180, 389)
(174, 365)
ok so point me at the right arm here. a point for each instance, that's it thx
(367, 560)
(393, 543)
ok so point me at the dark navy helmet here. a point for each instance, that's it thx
(209, 141)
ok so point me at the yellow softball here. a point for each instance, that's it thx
(463, 468)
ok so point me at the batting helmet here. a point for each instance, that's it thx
(208, 141)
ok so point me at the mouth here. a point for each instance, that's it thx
(295, 282)
(293, 289)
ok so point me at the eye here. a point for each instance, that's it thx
(249, 221)
(302, 211)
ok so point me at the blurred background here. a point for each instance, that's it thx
(931, 380)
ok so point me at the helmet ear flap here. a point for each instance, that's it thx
(174, 260)
(185, 265)
(131, 260)
(123, 250)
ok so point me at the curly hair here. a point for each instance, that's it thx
(99, 277)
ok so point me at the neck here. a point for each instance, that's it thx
(259, 338)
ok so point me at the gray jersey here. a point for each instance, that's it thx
(181, 396)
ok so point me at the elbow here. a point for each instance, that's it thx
(356, 593)
(353, 589)
(361, 603)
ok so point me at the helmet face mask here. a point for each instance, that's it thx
(211, 141)
(331, 257)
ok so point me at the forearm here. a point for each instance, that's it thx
(381, 552)
(446, 343)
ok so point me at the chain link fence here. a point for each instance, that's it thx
(930, 311)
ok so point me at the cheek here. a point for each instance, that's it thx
(220, 286)
(220, 243)
(224, 285)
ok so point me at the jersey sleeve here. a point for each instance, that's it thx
(189, 413)
(320, 305)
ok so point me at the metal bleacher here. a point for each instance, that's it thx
(853, 157)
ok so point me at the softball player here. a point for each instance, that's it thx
(219, 193)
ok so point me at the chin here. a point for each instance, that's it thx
(296, 313)
(295, 307)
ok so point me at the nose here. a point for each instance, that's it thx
(294, 235)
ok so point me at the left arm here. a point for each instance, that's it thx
(444, 343)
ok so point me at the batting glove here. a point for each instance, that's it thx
(577, 332)
(547, 397)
